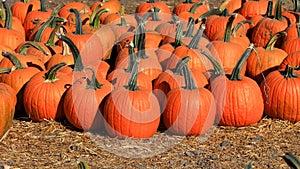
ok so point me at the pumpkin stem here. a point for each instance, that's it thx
(196, 39)
(78, 30)
(122, 14)
(190, 28)
(229, 23)
(273, 40)
(218, 68)
(278, 10)
(296, 6)
(292, 160)
(50, 75)
(188, 78)
(178, 36)
(24, 47)
(132, 83)
(289, 72)
(179, 67)
(195, 6)
(142, 42)
(78, 66)
(155, 16)
(93, 83)
(132, 57)
(15, 61)
(240, 24)
(95, 11)
(188, 2)
(240, 64)
(50, 41)
(175, 19)
(151, 1)
(298, 29)
(43, 6)
(209, 13)
(269, 9)
(225, 12)
(38, 36)
(8, 15)
(95, 23)
(5, 70)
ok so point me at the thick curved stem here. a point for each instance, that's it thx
(218, 68)
(179, 67)
(132, 57)
(229, 23)
(178, 36)
(273, 40)
(78, 66)
(236, 73)
(43, 7)
(50, 76)
(209, 13)
(278, 10)
(132, 83)
(8, 15)
(289, 72)
(239, 25)
(188, 78)
(78, 30)
(269, 9)
(195, 6)
(190, 27)
(95, 23)
(196, 39)
(23, 49)
(92, 83)
(15, 61)
(142, 42)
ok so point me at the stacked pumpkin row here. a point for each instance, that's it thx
(98, 67)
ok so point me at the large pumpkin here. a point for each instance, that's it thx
(282, 98)
(131, 111)
(7, 108)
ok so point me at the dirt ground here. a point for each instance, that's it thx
(51, 144)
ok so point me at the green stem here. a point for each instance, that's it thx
(179, 67)
(50, 75)
(132, 57)
(95, 11)
(225, 12)
(132, 83)
(24, 1)
(38, 36)
(229, 23)
(239, 25)
(15, 61)
(155, 16)
(24, 47)
(294, 161)
(296, 6)
(188, 78)
(50, 41)
(95, 23)
(236, 73)
(273, 40)
(8, 15)
(142, 42)
(78, 30)
(151, 1)
(188, 2)
(209, 13)
(178, 36)
(93, 84)
(175, 19)
(278, 10)
(196, 39)
(218, 70)
(269, 9)
(43, 6)
(190, 28)
(78, 66)
(289, 72)
(195, 6)
(298, 29)
(5, 70)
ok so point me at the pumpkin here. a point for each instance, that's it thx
(7, 107)
(20, 8)
(131, 111)
(187, 5)
(79, 6)
(196, 10)
(265, 60)
(239, 99)
(228, 52)
(17, 77)
(278, 105)
(43, 94)
(16, 23)
(82, 102)
(190, 110)
(113, 7)
(10, 37)
(292, 59)
(291, 41)
(250, 9)
(267, 27)
(148, 5)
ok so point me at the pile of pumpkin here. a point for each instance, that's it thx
(187, 69)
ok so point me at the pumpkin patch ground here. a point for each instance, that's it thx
(41, 143)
